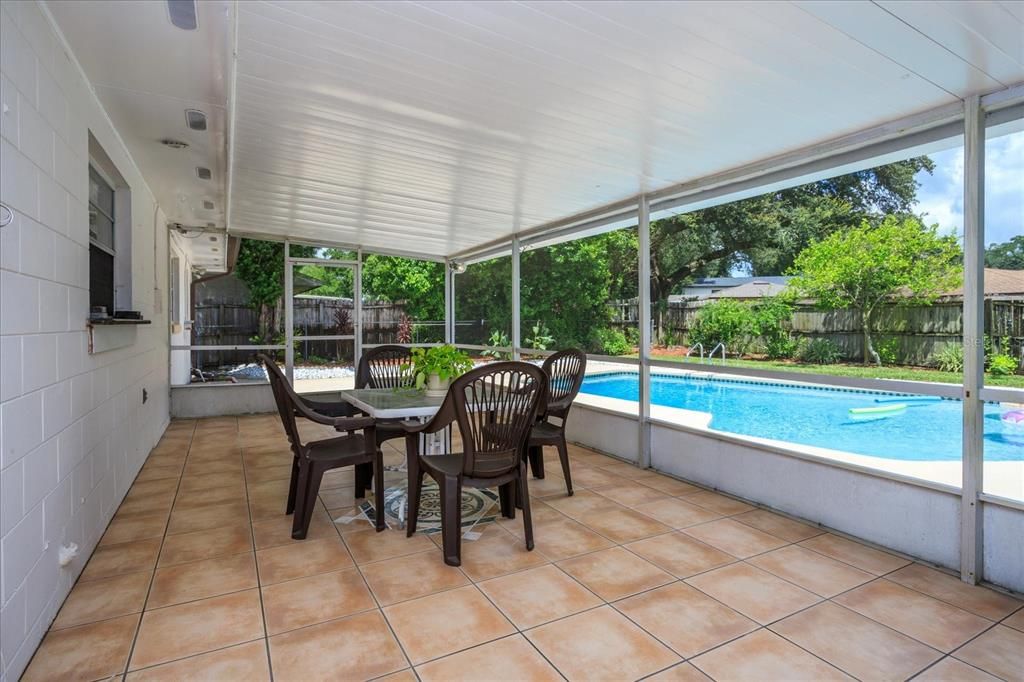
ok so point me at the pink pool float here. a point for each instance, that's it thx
(1013, 421)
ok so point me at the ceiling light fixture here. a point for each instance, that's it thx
(203, 173)
(195, 119)
(457, 267)
(183, 14)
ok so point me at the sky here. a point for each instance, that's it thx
(940, 196)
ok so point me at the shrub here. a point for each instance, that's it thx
(632, 335)
(950, 358)
(499, 339)
(539, 338)
(672, 338)
(1002, 365)
(781, 347)
(404, 329)
(613, 342)
(821, 352)
(737, 324)
(722, 321)
(888, 351)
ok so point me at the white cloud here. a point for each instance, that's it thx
(940, 197)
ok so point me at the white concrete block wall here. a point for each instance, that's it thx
(73, 429)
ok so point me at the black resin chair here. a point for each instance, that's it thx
(494, 407)
(312, 459)
(386, 366)
(564, 371)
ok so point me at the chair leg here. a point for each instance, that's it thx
(535, 454)
(451, 519)
(563, 454)
(363, 472)
(507, 499)
(413, 490)
(293, 487)
(301, 493)
(300, 525)
(524, 493)
(378, 489)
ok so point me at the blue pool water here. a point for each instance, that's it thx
(819, 417)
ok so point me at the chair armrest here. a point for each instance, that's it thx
(333, 408)
(410, 426)
(339, 423)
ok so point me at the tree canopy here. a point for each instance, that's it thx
(870, 264)
(260, 265)
(419, 283)
(1006, 256)
(763, 234)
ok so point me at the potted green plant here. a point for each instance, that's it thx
(435, 367)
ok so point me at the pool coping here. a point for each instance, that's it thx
(698, 423)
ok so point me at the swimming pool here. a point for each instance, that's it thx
(928, 430)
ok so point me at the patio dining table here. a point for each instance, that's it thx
(392, 404)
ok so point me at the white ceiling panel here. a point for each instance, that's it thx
(440, 126)
(146, 73)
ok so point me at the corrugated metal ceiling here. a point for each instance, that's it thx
(436, 127)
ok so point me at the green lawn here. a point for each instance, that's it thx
(861, 371)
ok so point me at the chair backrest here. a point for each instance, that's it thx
(565, 370)
(285, 399)
(495, 405)
(382, 367)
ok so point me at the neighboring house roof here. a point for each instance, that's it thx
(722, 287)
(719, 282)
(998, 283)
(759, 288)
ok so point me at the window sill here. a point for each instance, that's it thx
(111, 334)
(113, 322)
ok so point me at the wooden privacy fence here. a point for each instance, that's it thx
(914, 333)
(237, 323)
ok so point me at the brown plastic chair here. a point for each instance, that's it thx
(386, 366)
(564, 371)
(494, 407)
(311, 460)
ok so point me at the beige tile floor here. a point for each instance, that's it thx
(637, 575)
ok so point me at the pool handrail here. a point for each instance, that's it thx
(711, 355)
(695, 347)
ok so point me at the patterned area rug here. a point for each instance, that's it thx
(478, 506)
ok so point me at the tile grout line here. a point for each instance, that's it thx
(366, 584)
(518, 631)
(255, 561)
(163, 538)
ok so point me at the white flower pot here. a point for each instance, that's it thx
(436, 387)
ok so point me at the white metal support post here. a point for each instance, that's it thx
(971, 525)
(449, 302)
(516, 330)
(357, 310)
(644, 351)
(289, 327)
